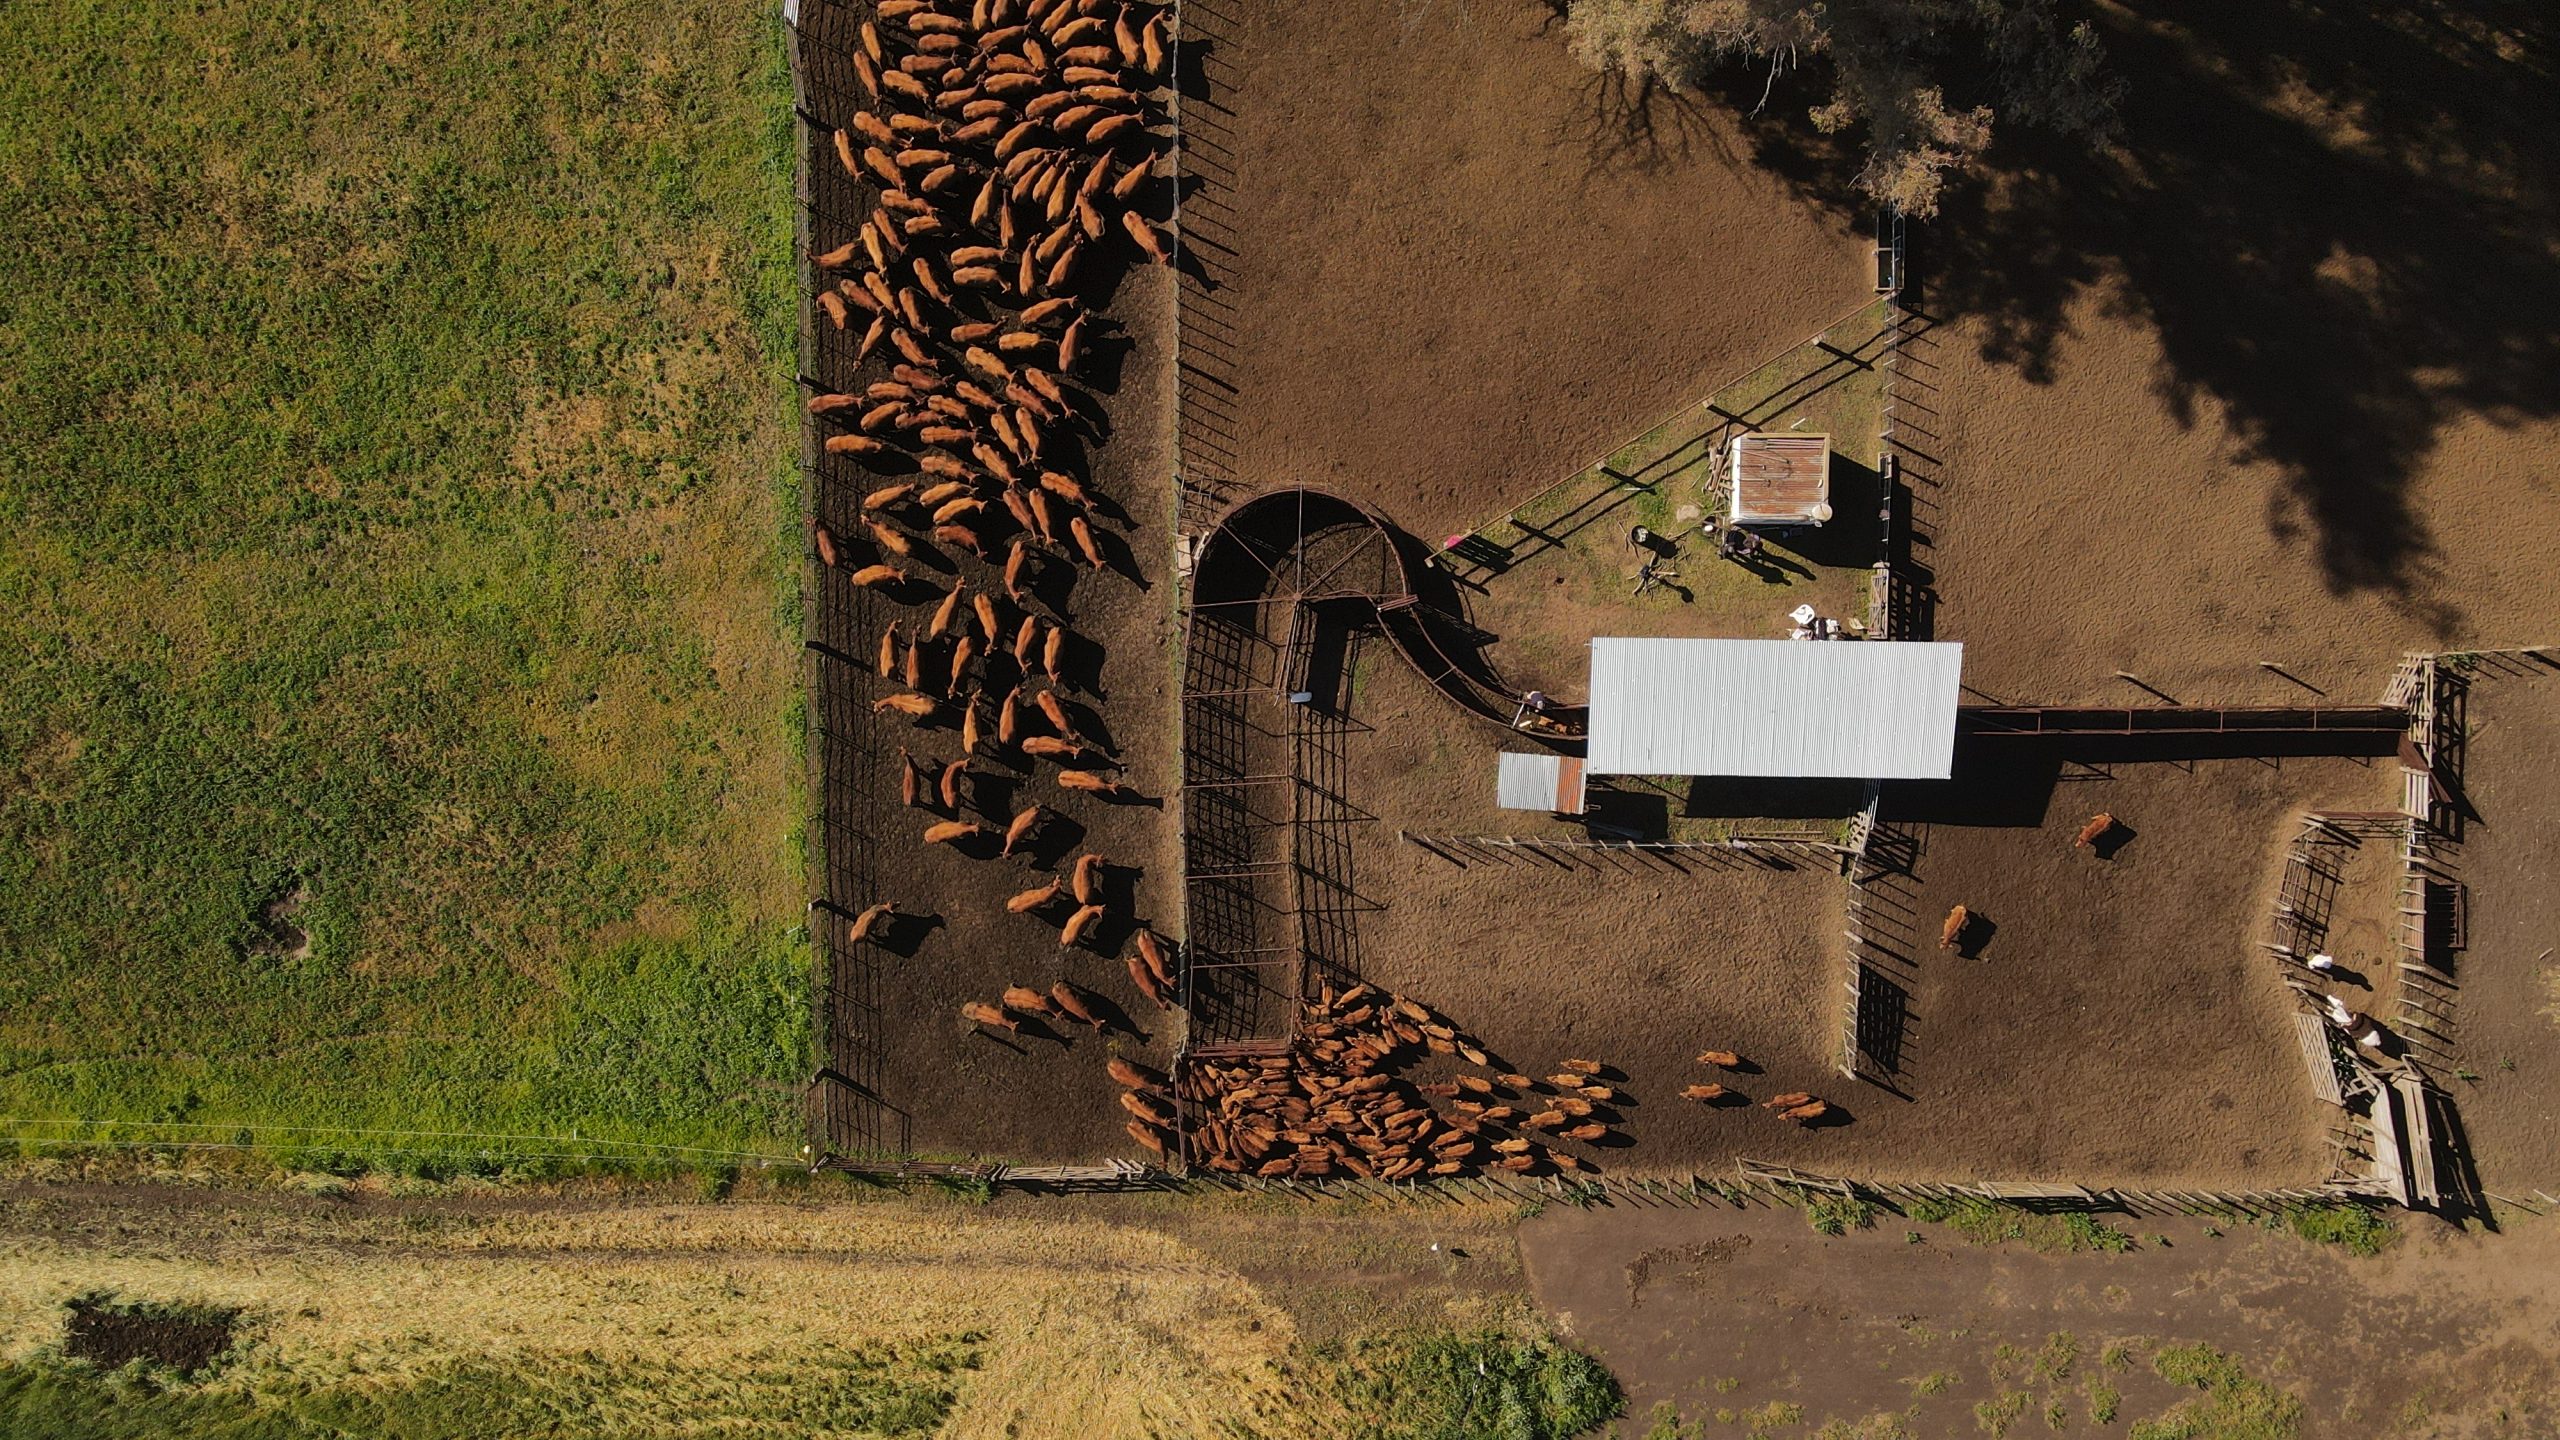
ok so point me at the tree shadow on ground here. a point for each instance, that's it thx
(2335, 216)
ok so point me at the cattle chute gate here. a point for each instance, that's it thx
(1284, 591)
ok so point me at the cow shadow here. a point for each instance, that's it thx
(1080, 665)
(1126, 797)
(981, 844)
(1050, 1028)
(1975, 935)
(1115, 1017)
(992, 793)
(1052, 840)
(903, 934)
(1119, 557)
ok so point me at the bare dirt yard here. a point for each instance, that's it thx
(2507, 1011)
(906, 1072)
(2113, 1021)
(1751, 1319)
(2110, 1018)
(2275, 383)
(964, 1089)
(1636, 962)
(1448, 267)
(1434, 266)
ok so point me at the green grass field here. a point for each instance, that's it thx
(397, 555)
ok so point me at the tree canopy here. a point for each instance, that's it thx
(1890, 64)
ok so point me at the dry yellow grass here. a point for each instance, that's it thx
(1115, 1319)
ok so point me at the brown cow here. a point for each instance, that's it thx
(1082, 534)
(1034, 898)
(947, 611)
(1147, 983)
(1076, 1001)
(869, 920)
(1077, 924)
(1133, 1074)
(1152, 953)
(1020, 827)
(1144, 1108)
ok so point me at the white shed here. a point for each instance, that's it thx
(1539, 781)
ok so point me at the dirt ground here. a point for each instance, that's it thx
(2508, 1009)
(950, 1088)
(2113, 1019)
(1731, 1312)
(967, 1090)
(1637, 963)
(2364, 926)
(2305, 421)
(2094, 983)
(1436, 287)
(1447, 274)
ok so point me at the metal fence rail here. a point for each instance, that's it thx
(2180, 719)
(847, 1113)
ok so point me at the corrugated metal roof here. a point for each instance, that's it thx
(1827, 709)
(1529, 781)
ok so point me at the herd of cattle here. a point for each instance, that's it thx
(1004, 145)
(1010, 150)
(1338, 1100)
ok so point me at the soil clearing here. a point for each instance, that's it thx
(2507, 1013)
(1734, 1313)
(928, 1081)
(2305, 421)
(111, 1335)
(2038, 1057)
(1444, 274)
